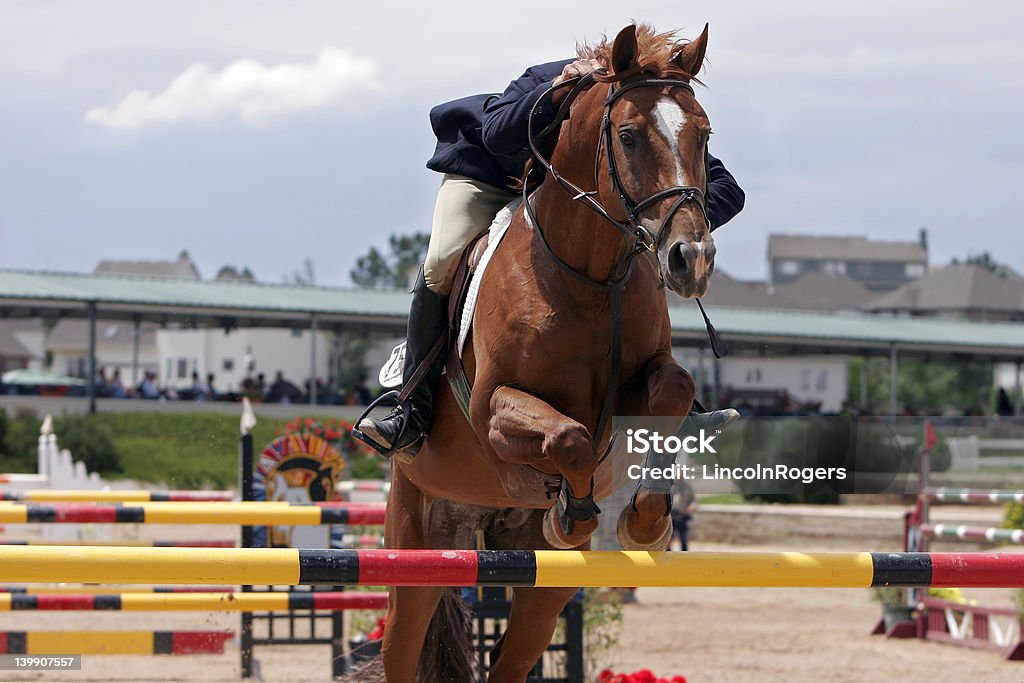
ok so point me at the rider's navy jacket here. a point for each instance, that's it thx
(484, 137)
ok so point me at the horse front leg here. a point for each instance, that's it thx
(526, 430)
(666, 390)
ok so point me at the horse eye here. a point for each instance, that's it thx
(626, 138)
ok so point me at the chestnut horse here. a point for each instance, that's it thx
(526, 468)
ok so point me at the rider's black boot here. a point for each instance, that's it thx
(427, 321)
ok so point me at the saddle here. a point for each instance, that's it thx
(461, 305)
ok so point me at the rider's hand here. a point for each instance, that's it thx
(577, 69)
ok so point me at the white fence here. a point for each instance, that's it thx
(966, 453)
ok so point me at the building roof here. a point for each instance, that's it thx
(959, 287)
(181, 268)
(818, 291)
(725, 290)
(848, 332)
(250, 304)
(10, 347)
(836, 248)
(197, 302)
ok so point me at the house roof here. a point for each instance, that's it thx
(725, 290)
(10, 347)
(181, 268)
(818, 291)
(73, 334)
(837, 248)
(958, 287)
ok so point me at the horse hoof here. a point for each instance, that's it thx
(629, 543)
(553, 531)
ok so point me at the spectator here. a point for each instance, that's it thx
(362, 392)
(147, 388)
(200, 391)
(115, 387)
(684, 505)
(209, 387)
(282, 391)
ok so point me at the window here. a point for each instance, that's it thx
(182, 368)
(297, 332)
(169, 372)
(228, 364)
(789, 267)
(822, 383)
(753, 375)
(914, 269)
(805, 379)
(834, 268)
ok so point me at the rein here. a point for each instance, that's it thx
(631, 229)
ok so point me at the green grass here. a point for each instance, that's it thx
(176, 451)
(726, 499)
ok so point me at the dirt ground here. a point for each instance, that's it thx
(709, 635)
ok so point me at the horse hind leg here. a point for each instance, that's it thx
(534, 615)
(524, 429)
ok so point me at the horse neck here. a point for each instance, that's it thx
(585, 241)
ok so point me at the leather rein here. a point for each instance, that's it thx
(631, 228)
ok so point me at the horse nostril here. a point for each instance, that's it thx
(677, 260)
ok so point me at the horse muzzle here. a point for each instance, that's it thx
(687, 266)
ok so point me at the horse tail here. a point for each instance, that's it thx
(448, 653)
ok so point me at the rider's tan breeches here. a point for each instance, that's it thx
(464, 209)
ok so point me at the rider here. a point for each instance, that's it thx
(481, 149)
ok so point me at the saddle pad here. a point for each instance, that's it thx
(496, 232)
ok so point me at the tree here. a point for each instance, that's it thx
(983, 259)
(395, 269)
(933, 386)
(229, 272)
(305, 277)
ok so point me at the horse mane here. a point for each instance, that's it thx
(655, 52)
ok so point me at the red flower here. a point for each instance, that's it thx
(377, 633)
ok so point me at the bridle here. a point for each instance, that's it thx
(631, 228)
(643, 241)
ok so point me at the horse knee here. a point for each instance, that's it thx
(571, 444)
(671, 391)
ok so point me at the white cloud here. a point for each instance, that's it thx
(254, 92)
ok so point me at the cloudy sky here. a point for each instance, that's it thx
(264, 133)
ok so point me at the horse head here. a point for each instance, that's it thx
(651, 165)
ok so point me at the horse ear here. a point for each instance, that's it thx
(624, 49)
(690, 57)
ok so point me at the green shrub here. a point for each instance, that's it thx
(810, 442)
(21, 445)
(89, 442)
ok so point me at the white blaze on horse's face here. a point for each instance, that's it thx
(686, 250)
(669, 120)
